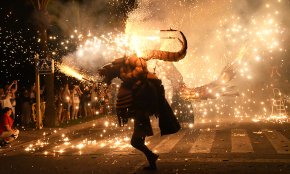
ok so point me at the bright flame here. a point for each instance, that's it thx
(70, 72)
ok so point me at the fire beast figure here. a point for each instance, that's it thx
(142, 95)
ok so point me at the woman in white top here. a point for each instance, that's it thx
(10, 98)
(66, 101)
(75, 95)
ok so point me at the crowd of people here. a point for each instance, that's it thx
(7, 115)
(81, 101)
(75, 102)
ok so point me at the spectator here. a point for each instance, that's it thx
(7, 133)
(25, 108)
(66, 100)
(2, 97)
(112, 97)
(102, 93)
(32, 97)
(59, 104)
(106, 98)
(12, 91)
(32, 94)
(10, 99)
(75, 95)
(86, 98)
(94, 99)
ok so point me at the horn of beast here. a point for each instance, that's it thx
(166, 55)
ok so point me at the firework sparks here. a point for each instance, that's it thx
(70, 72)
(249, 41)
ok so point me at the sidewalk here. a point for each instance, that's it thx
(32, 135)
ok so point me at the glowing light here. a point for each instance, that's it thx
(80, 146)
(70, 72)
(66, 143)
(102, 145)
(257, 40)
(255, 120)
(106, 123)
(278, 117)
(61, 151)
(257, 58)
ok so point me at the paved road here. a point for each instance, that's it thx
(100, 146)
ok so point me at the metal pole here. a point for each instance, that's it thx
(39, 124)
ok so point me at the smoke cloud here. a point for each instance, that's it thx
(90, 25)
(219, 32)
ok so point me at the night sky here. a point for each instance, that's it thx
(19, 40)
(19, 37)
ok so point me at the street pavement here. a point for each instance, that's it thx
(101, 146)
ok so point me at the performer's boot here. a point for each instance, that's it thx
(152, 158)
(139, 143)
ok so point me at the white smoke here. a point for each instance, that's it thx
(90, 25)
(217, 32)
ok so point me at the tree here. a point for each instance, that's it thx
(42, 20)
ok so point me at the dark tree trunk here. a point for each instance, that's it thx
(50, 118)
